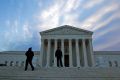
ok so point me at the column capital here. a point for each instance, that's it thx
(42, 39)
(90, 39)
(69, 40)
(48, 39)
(76, 39)
(55, 41)
(83, 39)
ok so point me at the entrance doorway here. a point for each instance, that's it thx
(66, 60)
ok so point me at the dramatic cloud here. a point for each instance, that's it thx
(27, 18)
(68, 12)
(15, 35)
(93, 22)
(92, 3)
(61, 12)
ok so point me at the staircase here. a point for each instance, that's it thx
(18, 73)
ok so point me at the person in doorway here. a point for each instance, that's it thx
(58, 55)
(29, 54)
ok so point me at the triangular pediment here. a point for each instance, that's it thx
(66, 30)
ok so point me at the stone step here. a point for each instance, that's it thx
(13, 73)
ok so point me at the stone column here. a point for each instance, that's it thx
(41, 52)
(70, 53)
(62, 51)
(48, 54)
(85, 53)
(55, 48)
(77, 53)
(91, 52)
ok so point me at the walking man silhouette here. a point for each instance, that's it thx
(29, 54)
(58, 55)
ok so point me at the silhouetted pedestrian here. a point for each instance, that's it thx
(29, 54)
(58, 55)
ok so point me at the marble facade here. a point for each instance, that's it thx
(75, 43)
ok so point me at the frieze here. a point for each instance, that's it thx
(66, 31)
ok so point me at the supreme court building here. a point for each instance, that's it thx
(75, 44)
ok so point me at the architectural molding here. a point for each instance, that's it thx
(66, 30)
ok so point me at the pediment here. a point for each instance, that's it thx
(66, 30)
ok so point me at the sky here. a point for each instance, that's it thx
(22, 20)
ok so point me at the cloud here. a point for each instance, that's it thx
(111, 42)
(92, 3)
(71, 5)
(15, 35)
(93, 23)
(107, 21)
(7, 22)
(48, 18)
(101, 34)
(69, 12)
(108, 39)
(15, 27)
(26, 31)
(62, 12)
(57, 14)
(66, 12)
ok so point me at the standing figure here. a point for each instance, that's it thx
(58, 55)
(29, 54)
